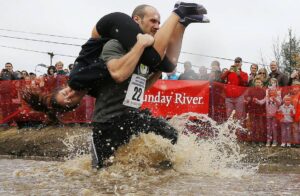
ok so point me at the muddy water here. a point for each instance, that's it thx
(199, 167)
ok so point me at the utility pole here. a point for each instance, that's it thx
(51, 57)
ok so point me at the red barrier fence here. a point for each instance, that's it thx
(167, 98)
(170, 97)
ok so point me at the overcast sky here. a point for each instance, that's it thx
(245, 28)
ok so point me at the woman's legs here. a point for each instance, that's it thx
(123, 28)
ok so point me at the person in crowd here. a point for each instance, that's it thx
(215, 73)
(18, 75)
(114, 109)
(172, 75)
(50, 78)
(27, 82)
(276, 73)
(203, 75)
(59, 66)
(216, 98)
(295, 96)
(24, 74)
(272, 100)
(263, 74)
(222, 72)
(295, 78)
(256, 112)
(189, 73)
(51, 70)
(287, 112)
(294, 81)
(237, 80)
(32, 76)
(67, 72)
(7, 91)
(7, 72)
(252, 75)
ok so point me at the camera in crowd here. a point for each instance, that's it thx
(234, 68)
(4, 71)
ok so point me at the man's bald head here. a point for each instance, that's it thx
(147, 17)
(140, 10)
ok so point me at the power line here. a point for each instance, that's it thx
(44, 34)
(36, 51)
(69, 44)
(38, 40)
(23, 49)
(215, 57)
(78, 38)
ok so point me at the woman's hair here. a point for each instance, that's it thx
(46, 103)
(49, 68)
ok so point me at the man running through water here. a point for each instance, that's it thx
(116, 116)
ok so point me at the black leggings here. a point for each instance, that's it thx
(107, 137)
(89, 70)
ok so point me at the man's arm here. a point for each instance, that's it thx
(121, 69)
(243, 78)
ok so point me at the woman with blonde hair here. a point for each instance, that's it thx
(263, 74)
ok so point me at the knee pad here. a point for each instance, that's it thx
(151, 58)
(166, 65)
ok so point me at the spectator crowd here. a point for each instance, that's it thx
(265, 103)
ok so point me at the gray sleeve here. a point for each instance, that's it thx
(112, 50)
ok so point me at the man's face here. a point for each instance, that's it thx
(253, 69)
(258, 83)
(273, 66)
(32, 76)
(215, 68)
(9, 67)
(238, 64)
(59, 66)
(287, 101)
(150, 22)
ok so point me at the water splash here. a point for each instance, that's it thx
(203, 148)
(205, 151)
(77, 144)
(215, 154)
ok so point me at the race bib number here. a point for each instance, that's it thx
(135, 92)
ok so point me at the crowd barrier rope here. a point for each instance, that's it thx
(165, 99)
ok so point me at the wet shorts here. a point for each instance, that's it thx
(107, 137)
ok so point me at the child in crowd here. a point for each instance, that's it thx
(295, 95)
(288, 111)
(272, 101)
(256, 112)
